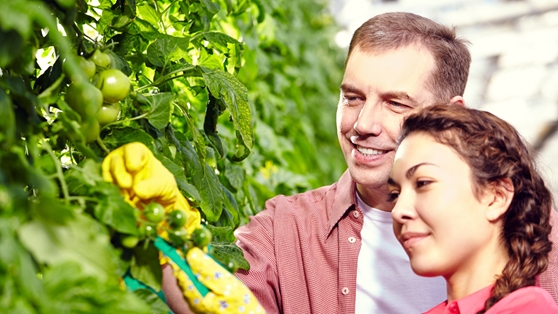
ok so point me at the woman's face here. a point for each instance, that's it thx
(437, 218)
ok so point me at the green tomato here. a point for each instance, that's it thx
(114, 85)
(129, 241)
(90, 129)
(176, 219)
(108, 113)
(178, 237)
(201, 237)
(231, 265)
(148, 230)
(84, 98)
(154, 212)
(100, 59)
(87, 67)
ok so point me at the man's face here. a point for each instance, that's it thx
(378, 91)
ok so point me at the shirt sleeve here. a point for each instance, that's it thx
(256, 239)
(525, 300)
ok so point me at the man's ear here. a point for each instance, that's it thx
(457, 100)
(500, 195)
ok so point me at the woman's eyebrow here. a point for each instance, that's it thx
(414, 168)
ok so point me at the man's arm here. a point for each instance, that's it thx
(173, 294)
(256, 239)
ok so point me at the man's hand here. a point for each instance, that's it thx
(142, 179)
(221, 292)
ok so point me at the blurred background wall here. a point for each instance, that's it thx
(514, 46)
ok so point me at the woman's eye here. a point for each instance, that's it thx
(421, 183)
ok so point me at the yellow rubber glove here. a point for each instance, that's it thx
(142, 178)
(226, 295)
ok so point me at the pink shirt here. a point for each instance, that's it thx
(526, 300)
(303, 251)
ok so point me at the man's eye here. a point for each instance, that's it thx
(392, 197)
(352, 100)
(397, 104)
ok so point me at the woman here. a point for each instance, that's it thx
(470, 206)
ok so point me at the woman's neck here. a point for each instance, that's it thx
(479, 273)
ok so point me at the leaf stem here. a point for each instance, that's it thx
(166, 78)
(102, 145)
(59, 174)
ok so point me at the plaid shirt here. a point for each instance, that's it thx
(303, 252)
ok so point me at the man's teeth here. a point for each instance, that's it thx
(369, 151)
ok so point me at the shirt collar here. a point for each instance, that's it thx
(343, 200)
(470, 304)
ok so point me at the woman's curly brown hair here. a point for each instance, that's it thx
(494, 151)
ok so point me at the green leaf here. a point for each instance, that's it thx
(161, 104)
(167, 48)
(225, 86)
(235, 175)
(70, 289)
(148, 14)
(212, 195)
(9, 51)
(220, 41)
(113, 210)
(123, 135)
(145, 265)
(55, 244)
(181, 180)
(15, 15)
(160, 113)
(157, 305)
(223, 251)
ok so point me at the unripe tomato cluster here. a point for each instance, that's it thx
(153, 219)
(96, 99)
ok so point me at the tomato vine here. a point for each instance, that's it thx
(203, 75)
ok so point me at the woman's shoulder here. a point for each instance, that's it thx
(526, 300)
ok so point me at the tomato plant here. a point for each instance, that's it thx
(204, 77)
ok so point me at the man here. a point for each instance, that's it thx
(332, 250)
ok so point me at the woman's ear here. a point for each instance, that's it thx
(500, 197)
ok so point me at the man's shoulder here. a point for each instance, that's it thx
(314, 195)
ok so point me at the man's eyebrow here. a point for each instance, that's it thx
(347, 88)
(414, 168)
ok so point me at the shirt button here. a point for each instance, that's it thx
(356, 213)
(345, 290)
(453, 308)
(352, 240)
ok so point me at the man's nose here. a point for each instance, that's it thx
(369, 120)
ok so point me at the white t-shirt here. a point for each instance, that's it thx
(385, 281)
